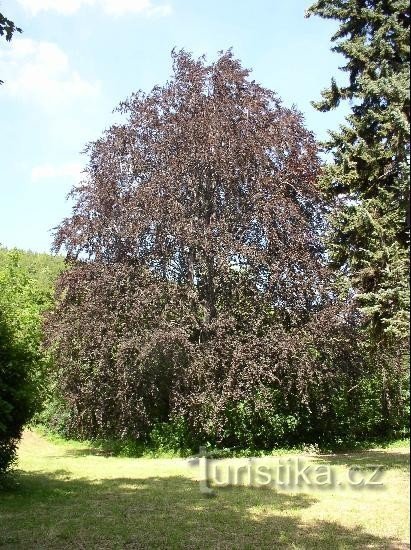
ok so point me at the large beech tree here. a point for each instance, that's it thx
(199, 288)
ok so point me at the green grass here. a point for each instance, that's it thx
(71, 495)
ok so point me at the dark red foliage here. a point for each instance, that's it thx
(202, 282)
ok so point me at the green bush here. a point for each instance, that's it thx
(172, 437)
(22, 363)
(16, 393)
(54, 414)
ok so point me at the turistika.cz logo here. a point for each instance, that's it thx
(288, 474)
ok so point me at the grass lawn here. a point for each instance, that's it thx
(67, 495)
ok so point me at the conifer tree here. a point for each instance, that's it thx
(368, 181)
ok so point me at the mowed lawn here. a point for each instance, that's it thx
(70, 496)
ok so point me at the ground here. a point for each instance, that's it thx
(68, 495)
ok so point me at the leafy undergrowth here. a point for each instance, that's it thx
(71, 495)
(164, 448)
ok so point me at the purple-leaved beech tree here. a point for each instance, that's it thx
(198, 291)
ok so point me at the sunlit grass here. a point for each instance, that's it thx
(71, 496)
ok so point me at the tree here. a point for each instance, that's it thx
(22, 362)
(42, 268)
(368, 182)
(198, 290)
(7, 29)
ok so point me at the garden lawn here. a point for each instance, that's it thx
(69, 495)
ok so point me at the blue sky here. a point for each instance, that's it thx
(77, 59)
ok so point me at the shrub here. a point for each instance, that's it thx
(22, 363)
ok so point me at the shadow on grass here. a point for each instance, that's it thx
(363, 459)
(55, 511)
(118, 450)
(87, 451)
(386, 459)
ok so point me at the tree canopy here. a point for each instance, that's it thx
(199, 291)
(369, 178)
(210, 174)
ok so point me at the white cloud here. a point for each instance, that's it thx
(111, 7)
(41, 72)
(47, 171)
